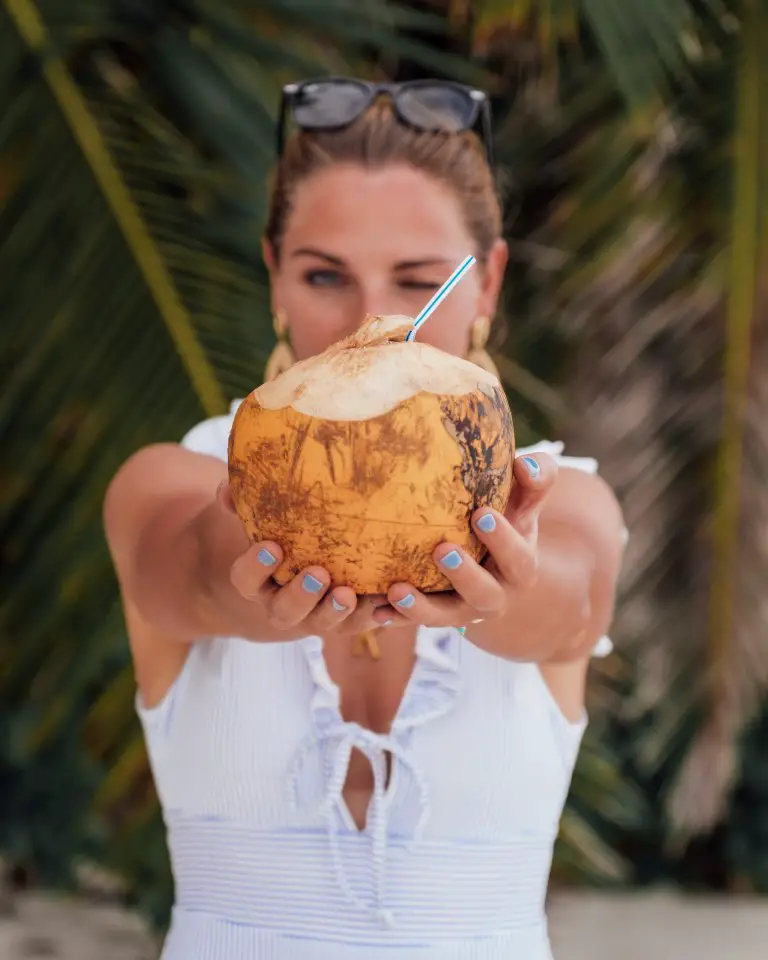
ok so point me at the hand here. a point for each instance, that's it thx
(484, 592)
(261, 610)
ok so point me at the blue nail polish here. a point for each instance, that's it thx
(387, 623)
(533, 467)
(487, 523)
(462, 630)
(407, 602)
(452, 560)
(338, 607)
(265, 557)
(311, 584)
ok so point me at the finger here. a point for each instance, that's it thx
(475, 585)
(361, 618)
(390, 616)
(251, 573)
(290, 604)
(534, 478)
(514, 556)
(337, 606)
(432, 610)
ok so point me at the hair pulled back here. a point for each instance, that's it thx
(377, 139)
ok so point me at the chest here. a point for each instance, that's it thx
(253, 723)
(371, 691)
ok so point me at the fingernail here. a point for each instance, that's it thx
(407, 602)
(387, 623)
(487, 523)
(311, 584)
(533, 467)
(452, 560)
(265, 557)
(338, 607)
(462, 630)
(220, 488)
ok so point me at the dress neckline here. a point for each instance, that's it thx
(430, 692)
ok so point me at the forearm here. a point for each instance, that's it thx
(221, 610)
(178, 576)
(164, 575)
(555, 617)
(173, 543)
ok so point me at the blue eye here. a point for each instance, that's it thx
(324, 278)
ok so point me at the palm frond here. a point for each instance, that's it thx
(135, 145)
(642, 224)
(646, 237)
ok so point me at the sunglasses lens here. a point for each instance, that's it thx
(438, 107)
(324, 104)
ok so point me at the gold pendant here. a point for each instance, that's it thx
(367, 642)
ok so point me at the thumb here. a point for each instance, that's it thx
(534, 477)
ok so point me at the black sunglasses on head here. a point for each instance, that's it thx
(335, 102)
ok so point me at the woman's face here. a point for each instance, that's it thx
(379, 241)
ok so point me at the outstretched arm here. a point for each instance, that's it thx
(547, 592)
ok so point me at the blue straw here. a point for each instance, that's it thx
(441, 294)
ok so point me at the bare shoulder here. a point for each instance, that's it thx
(585, 501)
(584, 506)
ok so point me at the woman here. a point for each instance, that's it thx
(321, 804)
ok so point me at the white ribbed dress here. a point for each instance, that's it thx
(249, 753)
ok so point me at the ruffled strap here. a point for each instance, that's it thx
(436, 683)
(431, 691)
(325, 704)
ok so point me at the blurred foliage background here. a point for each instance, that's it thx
(136, 139)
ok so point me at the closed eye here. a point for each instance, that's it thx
(418, 285)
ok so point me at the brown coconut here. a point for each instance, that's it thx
(365, 458)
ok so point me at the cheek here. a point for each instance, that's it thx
(449, 326)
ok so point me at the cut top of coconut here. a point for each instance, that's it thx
(370, 373)
(375, 330)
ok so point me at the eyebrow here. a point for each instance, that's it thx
(312, 252)
(401, 265)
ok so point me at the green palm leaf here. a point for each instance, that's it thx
(646, 229)
(135, 148)
(642, 44)
(737, 668)
(655, 242)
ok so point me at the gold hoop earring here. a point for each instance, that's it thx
(481, 330)
(282, 357)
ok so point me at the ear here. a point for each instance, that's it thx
(493, 278)
(268, 253)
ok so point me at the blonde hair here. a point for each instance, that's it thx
(378, 138)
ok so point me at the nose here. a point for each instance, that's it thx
(375, 299)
